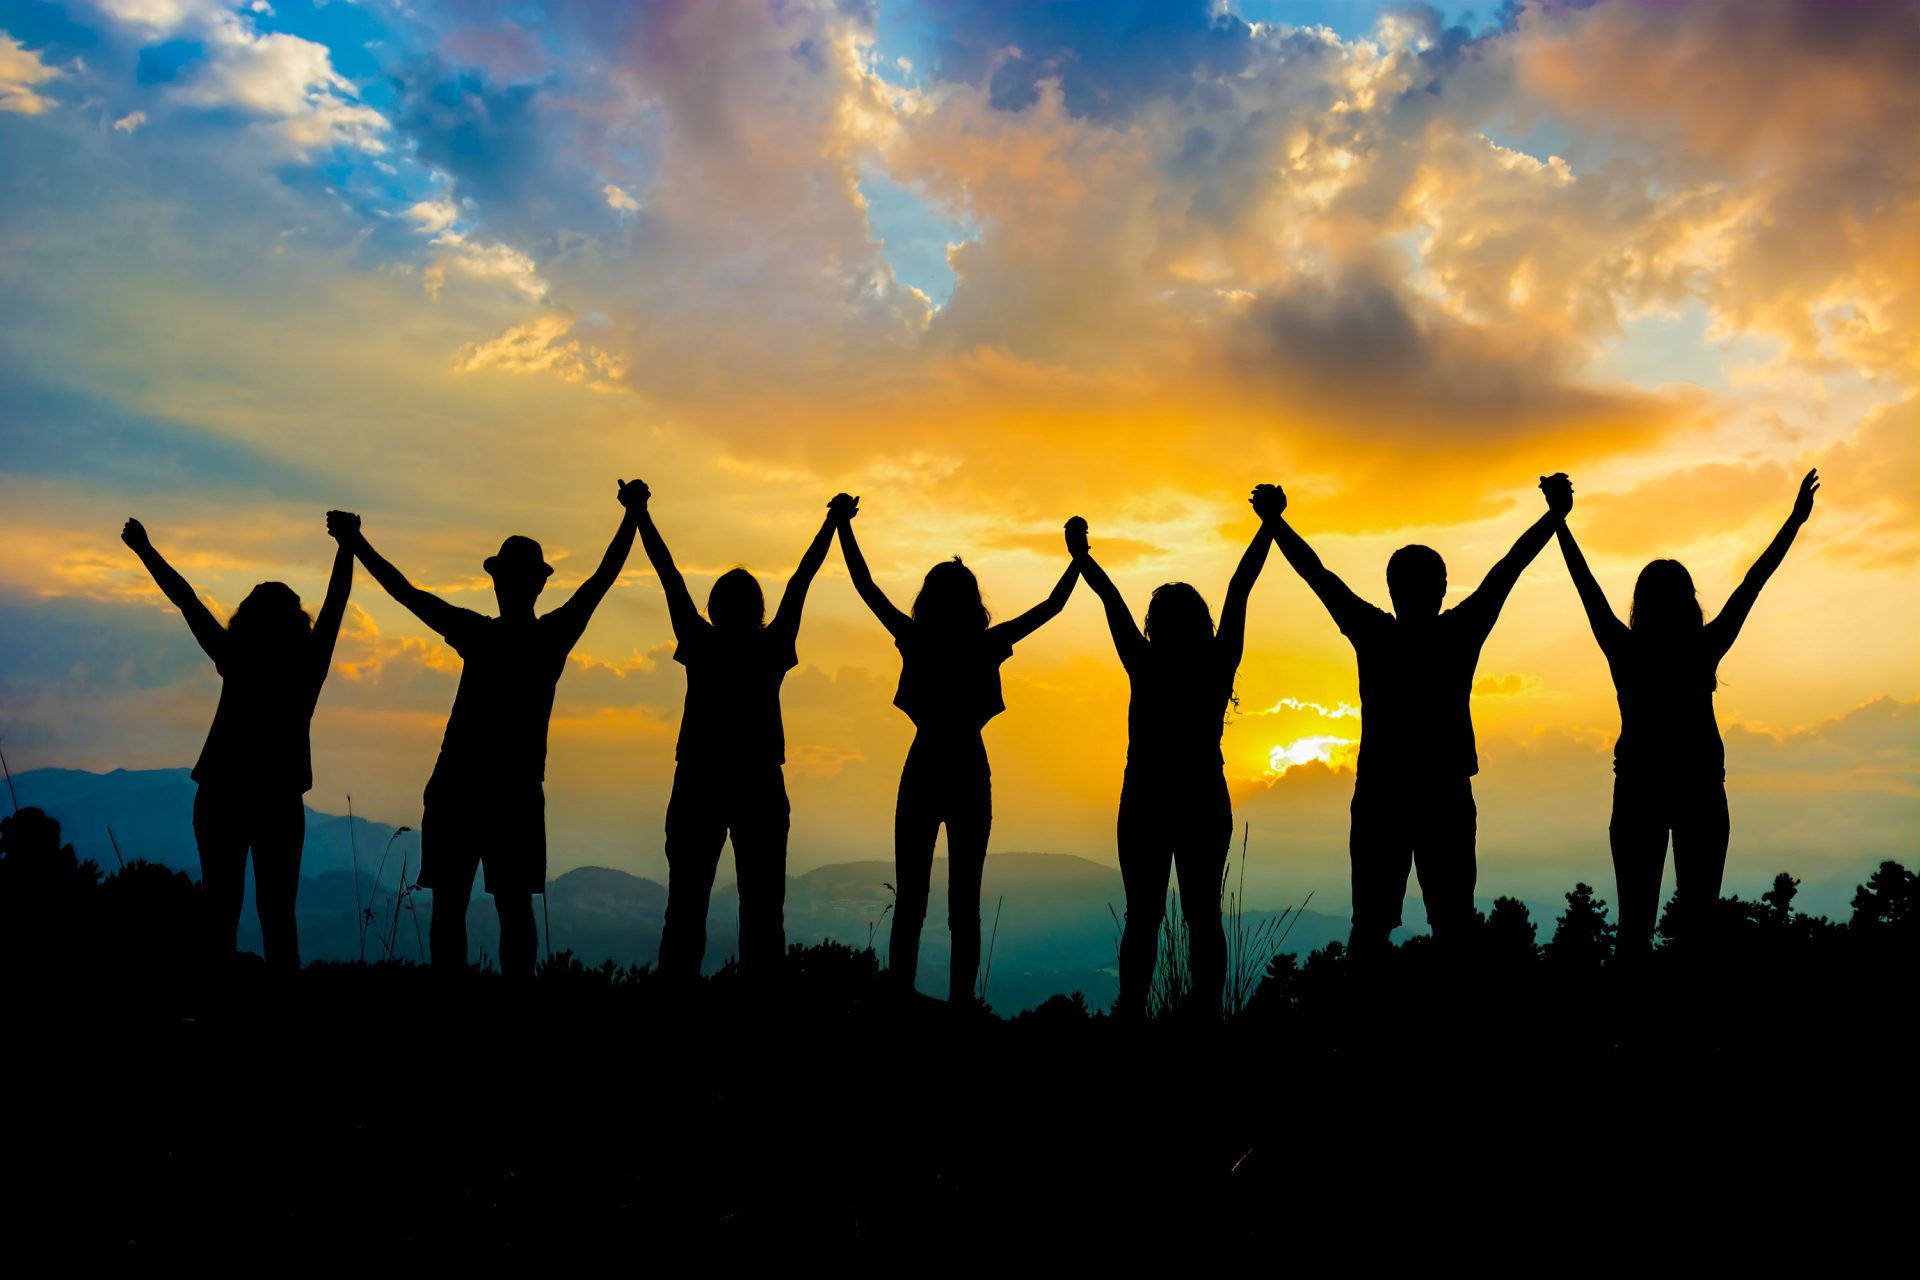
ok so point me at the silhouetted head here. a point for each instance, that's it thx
(30, 833)
(735, 603)
(1417, 581)
(949, 600)
(520, 572)
(1178, 620)
(1664, 602)
(270, 618)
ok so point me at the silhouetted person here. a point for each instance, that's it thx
(1669, 765)
(257, 763)
(950, 656)
(727, 778)
(486, 805)
(1413, 790)
(1174, 808)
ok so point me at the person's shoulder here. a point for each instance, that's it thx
(465, 626)
(1365, 616)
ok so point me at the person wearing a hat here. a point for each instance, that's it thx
(258, 760)
(485, 805)
(728, 775)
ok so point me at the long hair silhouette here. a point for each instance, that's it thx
(1669, 762)
(270, 618)
(1175, 813)
(728, 782)
(736, 603)
(950, 656)
(258, 760)
(1665, 601)
(949, 604)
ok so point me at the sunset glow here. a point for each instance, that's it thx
(987, 266)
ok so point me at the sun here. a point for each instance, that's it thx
(1334, 752)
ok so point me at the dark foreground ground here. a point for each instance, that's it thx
(1458, 1114)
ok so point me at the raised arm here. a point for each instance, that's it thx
(1232, 634)
(681, 612)
(424, 605)
(1607, 627)
(1491, 595)
(211, 635)
(574, 615)
(793, 600)
(1014, 630)
(326, 627)
(1270, 501)
(1725, 628)
(890, 617)
(1127, 640)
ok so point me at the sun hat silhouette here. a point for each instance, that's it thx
(519, 555)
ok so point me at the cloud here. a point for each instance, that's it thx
(459, 257)
(21, 70)
(285, 83)
(158, 19)
(1683, 507)
(1872, 474)
(1507, 686)
(543, 345)
(129, 122)
(434, 216)
(1109, 60)
(1737, 109)
(619, 199)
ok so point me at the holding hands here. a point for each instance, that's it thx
(843, 508)
(634, 495)
(343, 526)
(1076, 530)
(1269, 502)
(1559, 491)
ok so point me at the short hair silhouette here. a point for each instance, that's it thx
(1665, 602)
(1178, 616)
(1417, 580)
(950, 600)
(270, 615)
(736, 602)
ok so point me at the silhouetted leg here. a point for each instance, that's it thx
(448, 863)
(696, 833)
(1200, 856)
(220, 831)
(1146, 859)
(969, 826)
(761, 818)
(1701, 827)
(279, 832)
(1637, 836)
(1382, 856)
(1444, 859)
(916, 827)
(518, 938)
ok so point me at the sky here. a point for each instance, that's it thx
(462, 266)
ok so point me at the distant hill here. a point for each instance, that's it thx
(1057, 929)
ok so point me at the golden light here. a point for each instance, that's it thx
(1324, 749)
